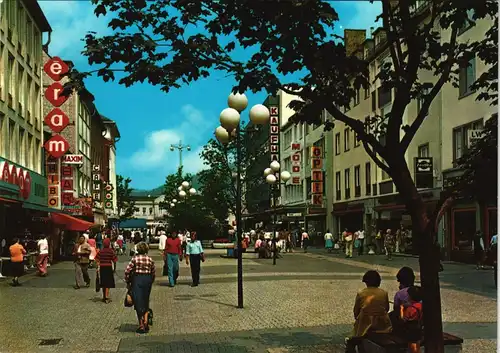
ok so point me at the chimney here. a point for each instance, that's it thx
(353, 39)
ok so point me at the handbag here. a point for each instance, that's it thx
(97, 282)
(128, 302)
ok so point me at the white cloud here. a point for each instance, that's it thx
(156, 154)
(70, 22)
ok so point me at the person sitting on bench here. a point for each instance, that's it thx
(411, 315)
(370, 311)
(406, 279)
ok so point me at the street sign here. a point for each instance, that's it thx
(56, 146)
(73, 159)
(55, 68)
(424, 173)
(56, 120)
(54, 95)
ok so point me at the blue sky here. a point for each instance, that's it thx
(149, 119)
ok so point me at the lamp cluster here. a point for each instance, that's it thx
(274, 167)
(230, 117)
(184, 190)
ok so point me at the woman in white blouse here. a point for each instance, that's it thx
(194, 256)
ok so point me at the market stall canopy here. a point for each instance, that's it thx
(70, 222)
(133, 223)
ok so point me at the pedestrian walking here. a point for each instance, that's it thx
(93, 250)
(328, 241)
(17, 253)
(43, 255)
(99, 240)
(479, 250)
(105, 259)
(361, 241)
(139, 276)
(81, 252)
(162, 241)
(349, 240)
(173, 251)
(389, 243)
(194, 258)
(305, 240)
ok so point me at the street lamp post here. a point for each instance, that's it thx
(180, 147)
(274, 182)
(230, 126)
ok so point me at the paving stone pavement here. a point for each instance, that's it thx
(303, 304)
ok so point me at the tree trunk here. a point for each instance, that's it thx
(429, 256)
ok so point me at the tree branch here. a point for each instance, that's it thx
(412, 130)
(375, 158)
(358, 127)
(394, 43)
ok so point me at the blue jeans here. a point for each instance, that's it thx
(173, 267)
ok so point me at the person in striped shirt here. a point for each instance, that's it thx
(140, 275)
(105, 259)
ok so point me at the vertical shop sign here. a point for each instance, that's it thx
(108, 202)
(67, 195)
(296, 158)
(56, 120)
(52, 170)
(96, 185)
(317, 183)
(274, 134)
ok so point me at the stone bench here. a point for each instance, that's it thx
(389, 343)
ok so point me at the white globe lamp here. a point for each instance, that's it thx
(275, 166)
(185, 184)
(222, 135)
(229, 118)
(285, 176)
(182, 193)
(259, 114)
(174, 200)
(271, 179)
(172, 204)
(267, 171)
(237, 101)
(192, 191)
(179, 188)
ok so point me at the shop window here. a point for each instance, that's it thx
(368, 178)
(347, 182)
(338, 184)
(460, 137)
(347, 142)
(469, 22)
(357, 181)
(423, 150)
(464, 228)
(337, 143)
(466, 77)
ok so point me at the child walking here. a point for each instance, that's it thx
(413, 319)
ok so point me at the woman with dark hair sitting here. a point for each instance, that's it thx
(406, 279)
(370, 310)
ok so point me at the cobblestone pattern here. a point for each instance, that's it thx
(311, 307)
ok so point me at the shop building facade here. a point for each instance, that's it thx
(365, 196)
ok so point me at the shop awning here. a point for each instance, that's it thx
(8, 200)
(35, 207)
(70, 222)
(134, 223)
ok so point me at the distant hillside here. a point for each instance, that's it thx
(159, 190)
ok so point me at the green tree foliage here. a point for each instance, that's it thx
(170, 43)
(219, 180)
(189, 212)
(125, 204)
